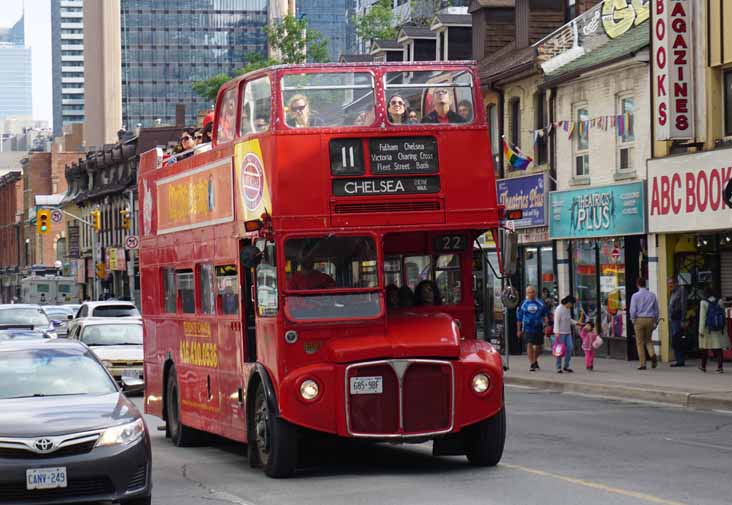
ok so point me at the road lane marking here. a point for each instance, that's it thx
(698, 444)
(595, 485)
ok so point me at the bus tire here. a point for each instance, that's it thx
(274, 444)
(484, 441)
(180, 434)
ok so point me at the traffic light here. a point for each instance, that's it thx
(101, 271)
(43, 221)
(96, 219)
(125, 219)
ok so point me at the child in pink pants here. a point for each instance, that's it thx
(588, 336)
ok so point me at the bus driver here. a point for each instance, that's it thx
(309, 278)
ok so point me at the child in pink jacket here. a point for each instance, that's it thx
(588, 336)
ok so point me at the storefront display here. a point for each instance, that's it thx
(605, 228)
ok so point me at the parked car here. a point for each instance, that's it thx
(117, 342)
(73, 436)
(26, 317)
(59, 313)
(104, 309)
(18, 334)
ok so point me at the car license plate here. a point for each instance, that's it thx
(130, 372)
(367, 385)
(45, 478)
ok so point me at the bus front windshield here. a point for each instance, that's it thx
(337, 265)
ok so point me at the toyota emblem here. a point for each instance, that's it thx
(43, 445)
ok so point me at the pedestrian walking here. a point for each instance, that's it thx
(644, 316)
(712, 323)
(677, 305)
(531, 316)
(588, 336)
(563, 332)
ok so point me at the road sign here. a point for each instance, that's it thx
(56, 216)
(615, 253)
(132, 242)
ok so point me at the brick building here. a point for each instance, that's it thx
(11, 234)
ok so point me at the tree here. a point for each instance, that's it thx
(295, 42)
(209, 88)
(377, 23)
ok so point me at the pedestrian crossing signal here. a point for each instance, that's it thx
(43, 221)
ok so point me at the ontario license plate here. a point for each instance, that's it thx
(367, 385)
(45, 478)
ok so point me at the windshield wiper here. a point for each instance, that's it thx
(41, 395)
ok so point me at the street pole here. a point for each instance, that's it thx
(131, 263)
(95, 284)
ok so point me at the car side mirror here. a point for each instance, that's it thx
(70, 317)
(509, 252)
(250, 256)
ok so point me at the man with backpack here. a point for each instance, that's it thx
(712, 335)
(644, 315)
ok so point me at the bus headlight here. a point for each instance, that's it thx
(481, 383)
(309, 390)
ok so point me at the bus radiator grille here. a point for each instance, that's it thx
(375, 414)
(427, 398)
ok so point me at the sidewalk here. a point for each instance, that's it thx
(687, 387)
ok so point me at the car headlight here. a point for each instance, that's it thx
(481, 383)
(309, 390)
(122, 435)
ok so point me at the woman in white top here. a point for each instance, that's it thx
(563, 331)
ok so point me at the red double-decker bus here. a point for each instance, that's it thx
(312, 271)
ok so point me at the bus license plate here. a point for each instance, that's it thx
(367, 385)
(45, 478)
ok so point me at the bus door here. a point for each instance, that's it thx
(247, 309)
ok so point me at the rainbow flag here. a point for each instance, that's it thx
(515, 158)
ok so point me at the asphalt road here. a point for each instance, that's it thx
(561, 449)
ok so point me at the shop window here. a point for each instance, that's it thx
(185, 289)
(581, 143)
(227, 284)
(256, 107)
(169, 290)
(493, 126)
(393, 271)
(549, 288)
(728, 103)
(626, 134)
(205, 289)
(541, 151)
(267, 280)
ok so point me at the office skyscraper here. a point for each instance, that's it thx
(67, 35)
(16, 91)
(332, 18)
(169, 44)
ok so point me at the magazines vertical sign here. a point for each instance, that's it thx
(673, 72)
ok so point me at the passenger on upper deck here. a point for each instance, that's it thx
(309, 278)
(412, 117)
(397, 110)
(465, 110)
(300, 115)
(442, 112)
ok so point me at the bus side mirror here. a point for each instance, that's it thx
(509, 252)
(250, 256)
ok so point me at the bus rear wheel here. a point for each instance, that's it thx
(180, 434)
(484, 441)
(275, 440)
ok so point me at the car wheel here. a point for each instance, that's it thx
(180, 434)
(274, 444)
(484, 441)
(145, 500)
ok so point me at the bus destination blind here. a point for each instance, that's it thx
(386, 186)
(403, 155)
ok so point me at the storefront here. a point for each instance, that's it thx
(604, 231)
(687, 211)
(537, 265)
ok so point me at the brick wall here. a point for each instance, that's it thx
(601, 92)
(11, 206)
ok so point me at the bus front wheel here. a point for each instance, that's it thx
(275, 440)
(180, 434)
(484, 441)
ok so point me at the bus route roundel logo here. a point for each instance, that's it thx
(252, 181)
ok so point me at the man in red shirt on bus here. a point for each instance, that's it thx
(442, 112)
(309, 278)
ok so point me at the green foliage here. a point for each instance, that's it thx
(377, 23)
(295, 42)
(209, 88)
(424, 11)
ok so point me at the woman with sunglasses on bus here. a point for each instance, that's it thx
(397, 110)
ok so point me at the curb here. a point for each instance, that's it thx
(679, 398)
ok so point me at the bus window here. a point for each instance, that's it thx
(228, 289)
(331, 263)
(447, 278)
(319, 100)
(417, 269)
(393, 271)
(227, 117)
(186, 293)
(169, 290)
(205, 289)
(429, 97)
(256, 107)
(267, 280)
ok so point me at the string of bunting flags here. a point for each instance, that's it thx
(622, 123)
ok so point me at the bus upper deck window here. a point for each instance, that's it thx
(227, 117)
(317, 100)
(429, 97)
(256, 107)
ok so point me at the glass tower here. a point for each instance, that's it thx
(332, 18)
(167, 45)
(67, 32)
(16, 84)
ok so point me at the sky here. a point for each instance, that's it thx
(38, 37)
